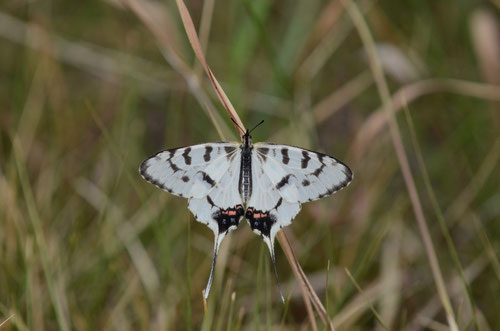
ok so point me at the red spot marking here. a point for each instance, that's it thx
(232, 212)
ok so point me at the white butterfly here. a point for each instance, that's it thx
(265, 182)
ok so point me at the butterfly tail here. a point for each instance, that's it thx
(270, 244)
(217, 242)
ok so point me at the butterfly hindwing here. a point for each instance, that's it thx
(224, 196)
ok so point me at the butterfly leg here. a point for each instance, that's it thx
(266, 226)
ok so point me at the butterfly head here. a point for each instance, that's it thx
(247, 138)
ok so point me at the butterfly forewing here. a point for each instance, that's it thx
(301, 175)
(189, 171)
(283, 178)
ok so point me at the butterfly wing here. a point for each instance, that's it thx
(183, 171)
(206, 174)
(301, 175)
(283, 177)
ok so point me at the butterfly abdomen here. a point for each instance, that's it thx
(245, 184)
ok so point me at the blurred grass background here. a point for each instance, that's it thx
(90, 89)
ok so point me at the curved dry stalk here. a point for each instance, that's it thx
(305, 285)
(204, 30)
(195, 44)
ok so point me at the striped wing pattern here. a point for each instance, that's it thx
(189, 171)
(301, 175)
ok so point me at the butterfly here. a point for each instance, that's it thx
(264, 182)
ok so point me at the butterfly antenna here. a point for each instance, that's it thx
(273, 260)
(212, 270)
(255, 127)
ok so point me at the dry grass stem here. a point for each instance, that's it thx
(197, 48)
(465, 198)
(88, 57)
(337, 32)
(490, 249)
(162, 31)
(383, 90)
(441, 219)
(358, 305)
(304, 283)
(485, 34)
(56, 295)
(432, 308)
(204, 33)
(6, 320)
(375, 313)
(339, 98)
